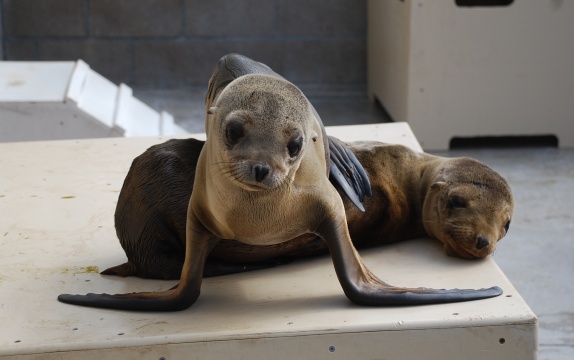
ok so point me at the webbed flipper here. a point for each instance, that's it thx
(348, 173)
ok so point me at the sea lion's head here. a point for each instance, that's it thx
(262, 127)
(469, 208)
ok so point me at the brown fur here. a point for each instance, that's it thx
(411, 193)
(410, 199)
(402, 183)
(261, 179)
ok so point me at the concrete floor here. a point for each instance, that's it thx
(537, 255)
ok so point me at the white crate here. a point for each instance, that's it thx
(69, 100)
(453, 71)
(58, 231)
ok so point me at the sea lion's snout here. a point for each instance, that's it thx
(256, 175)
(260, 171)
(482, 242)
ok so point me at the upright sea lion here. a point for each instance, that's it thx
(344, 168)
(459, 201)
(261, 179)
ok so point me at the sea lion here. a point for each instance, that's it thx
(261, 179)
(459, 201)
(344, 168)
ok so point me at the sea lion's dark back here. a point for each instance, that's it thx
(150, 215)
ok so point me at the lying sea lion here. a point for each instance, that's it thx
(261, 179)
(459, 201)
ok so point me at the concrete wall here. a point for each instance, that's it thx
(318, 44)
(1, 36)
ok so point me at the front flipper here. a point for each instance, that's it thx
(362, 287)
(170, 300)
(178, 298)
(348, 173)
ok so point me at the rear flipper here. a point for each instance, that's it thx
(123, 270)
(162, 268)
(348, 173)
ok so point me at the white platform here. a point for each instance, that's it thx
(69, 100)
(454, 71)
(57, 201)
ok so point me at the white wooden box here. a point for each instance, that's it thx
(453, 71)
(46, 100)
(57, 200)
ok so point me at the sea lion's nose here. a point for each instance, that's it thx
(482, 242)
(261, 172)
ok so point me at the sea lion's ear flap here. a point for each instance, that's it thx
(438, 185)
(314, 136)
(212, 110)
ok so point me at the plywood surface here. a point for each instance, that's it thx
(56, 233)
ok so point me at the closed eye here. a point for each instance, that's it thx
(456, 202)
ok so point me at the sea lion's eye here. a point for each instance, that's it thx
(294, 146)
(234, 132)
(456, 202)
(507, 226)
